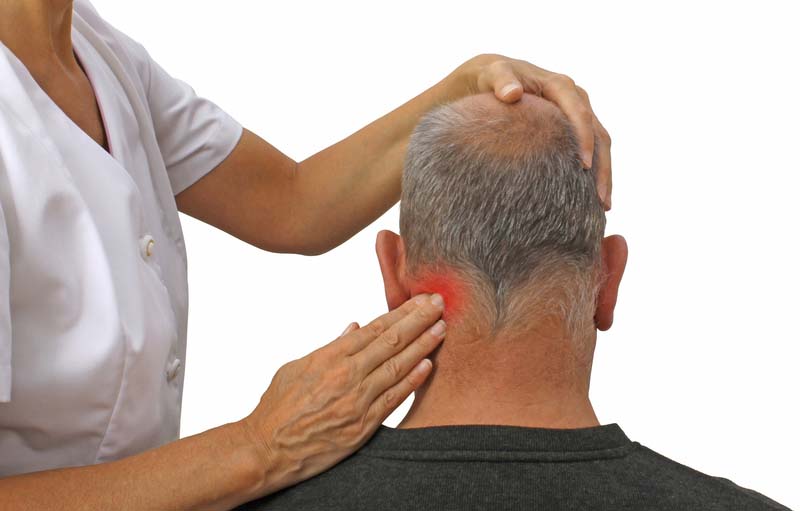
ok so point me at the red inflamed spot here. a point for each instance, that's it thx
(447, 284)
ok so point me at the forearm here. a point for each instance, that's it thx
(348, 185)
(215, 470)
(265, 198)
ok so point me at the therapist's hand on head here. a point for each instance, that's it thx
(266, 198)
(321, 408)
(509, 78)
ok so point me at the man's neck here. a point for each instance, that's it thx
(530, 380)
(38, 32)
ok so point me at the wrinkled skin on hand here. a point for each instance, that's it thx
(321, 408)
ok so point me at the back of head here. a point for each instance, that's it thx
(495, 196)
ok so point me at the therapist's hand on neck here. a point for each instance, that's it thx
(323, 407)
(317, 411)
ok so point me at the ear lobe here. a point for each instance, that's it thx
(615, 257)
(391, 257)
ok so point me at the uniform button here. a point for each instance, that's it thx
(173, 369)
(147, 245)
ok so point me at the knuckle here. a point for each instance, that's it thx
(351, 372)
(344, 419)
(376, 328)
(564, 80)
(390, 399)
(362, 388)
(584, 114)
(343, 411)
(288, 369)
(282, 371)
(424, 314)
(500, 65)
(413, 304)
(361, 403)
(391, 337)
(488, 57)
(345, 406)
(371, 417)
(393, 369)
(354, 411)
(353, 435)
(556, 83)
(340, 376)
(356, 372)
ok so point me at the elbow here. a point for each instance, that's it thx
(312, 249)
(308, 243)
(315, 244)
(291, 248)
(311, 253)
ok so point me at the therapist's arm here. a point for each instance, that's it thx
(267, 199)
(317, 411)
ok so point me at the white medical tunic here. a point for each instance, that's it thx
(93, 284)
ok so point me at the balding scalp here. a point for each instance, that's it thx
(498, 192)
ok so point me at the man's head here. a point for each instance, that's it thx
(499, 217)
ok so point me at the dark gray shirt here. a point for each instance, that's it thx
(462, 468)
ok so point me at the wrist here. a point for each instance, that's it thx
(270, 467)
(253, 462)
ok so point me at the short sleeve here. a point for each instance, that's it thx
(5, 311)
(193, 133)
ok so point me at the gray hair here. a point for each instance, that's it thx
(497, 192)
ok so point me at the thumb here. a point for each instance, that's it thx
(508, 91)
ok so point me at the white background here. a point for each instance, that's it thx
(701, 101)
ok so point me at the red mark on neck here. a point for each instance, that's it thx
(447, 284)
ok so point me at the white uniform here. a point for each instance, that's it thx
(93, 287)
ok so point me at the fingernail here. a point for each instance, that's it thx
(421, 299)
(438, 329)
(602, 191)
(587, 160)
(350, 328)
(437, 300)
(424, 366)
(508, 89)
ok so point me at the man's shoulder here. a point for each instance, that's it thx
(343, 487)
(688, 488)
(636, 478)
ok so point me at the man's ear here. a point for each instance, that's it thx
(615, 257)
(392, 257)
